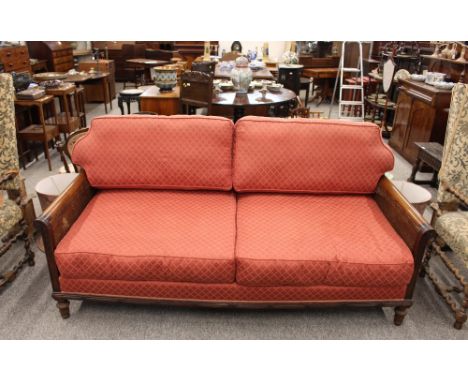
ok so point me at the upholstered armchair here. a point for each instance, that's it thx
(450, 219)
(12, 201)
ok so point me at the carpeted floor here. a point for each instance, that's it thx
(28, 312)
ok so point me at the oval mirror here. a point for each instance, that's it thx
(388, 72)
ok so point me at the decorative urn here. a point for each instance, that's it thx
(241, 75)
(165, 78)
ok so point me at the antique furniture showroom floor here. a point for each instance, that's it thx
(233, 190)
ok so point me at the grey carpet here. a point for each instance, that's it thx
(28, 312)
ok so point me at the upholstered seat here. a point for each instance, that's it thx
(452, 227)
(305, 240)
(10, 214)
(152, 235)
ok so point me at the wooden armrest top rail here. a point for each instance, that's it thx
(404, 218)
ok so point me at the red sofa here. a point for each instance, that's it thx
(269, 212)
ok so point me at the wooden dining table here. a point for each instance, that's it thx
(228, 103)
(240, 102)
(147, 63)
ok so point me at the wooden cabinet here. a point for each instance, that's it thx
(59, 55)
(15, 59)
(94, 92)
(421, 116)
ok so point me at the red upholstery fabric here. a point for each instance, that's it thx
(307, 240)
(308, 155)
(228, 292)
(152, 235)
(157, 152)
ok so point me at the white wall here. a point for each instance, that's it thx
(277, 48)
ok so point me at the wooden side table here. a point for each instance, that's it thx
(45, 131)
(429, 153)
(66, 119)
(128, 96)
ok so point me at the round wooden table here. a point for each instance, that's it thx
(239, 101)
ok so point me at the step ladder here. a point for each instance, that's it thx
(353, 107)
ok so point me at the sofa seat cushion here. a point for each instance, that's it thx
(304, 240)
(185, 236)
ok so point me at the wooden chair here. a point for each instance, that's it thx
(204, 67)
(13, 197)
(133, 73)
(67, 147)
(450, 218)
(196, 91)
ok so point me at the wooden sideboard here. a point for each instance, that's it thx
(59, 55)
(421, 116)
(15, 58)
(94, 92)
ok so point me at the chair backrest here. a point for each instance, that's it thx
(157, 152)
(196, 90)
(140, 50)
(204, 67)
(308, 156)
(290, 78)
(8, 153)
(128, 51)
(453, 173)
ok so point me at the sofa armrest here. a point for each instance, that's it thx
(57, 219)
(406, 221)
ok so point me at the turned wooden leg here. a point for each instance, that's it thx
(400, 313)
(64, 308)
(460, 319)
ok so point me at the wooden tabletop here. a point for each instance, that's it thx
(229, 98)
(80, 78)
(254, 98)
(154, 92)
(263, 74)
(320, 72)
(34, 102)
(67, 88)
(146, 62)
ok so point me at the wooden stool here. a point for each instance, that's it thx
(429, 153)
(128, 96)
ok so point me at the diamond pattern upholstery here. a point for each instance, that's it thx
(305, 240)
(228, 292)
(308, 155)
(150, 235)
(157, 152)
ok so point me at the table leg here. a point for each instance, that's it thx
(415, 169)
(106, 93)
(128, 105)
(120, 104)
(238, 113)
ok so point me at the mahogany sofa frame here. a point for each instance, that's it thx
(63, 212)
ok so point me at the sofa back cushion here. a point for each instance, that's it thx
(157, 152)
(308, 156)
